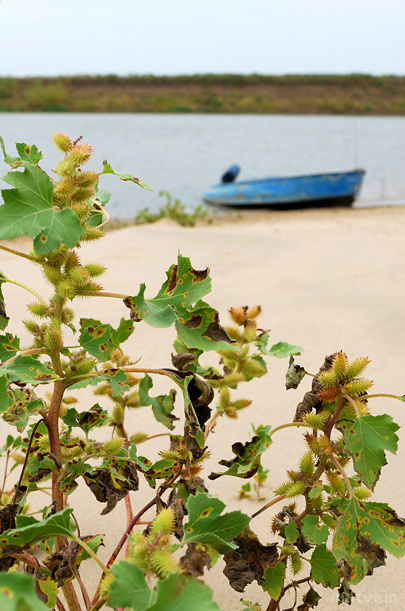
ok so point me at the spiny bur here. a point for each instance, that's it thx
(94, 269)
(164, 522)
(113, 446)
(53, 338)
(362, 493)
(307, 463)
(62, 141)
(355, 368)
(138, 437)
(79, 154)
(339, 365)
(163, 563)
(38, 309)
(314, 421)
(79, 276)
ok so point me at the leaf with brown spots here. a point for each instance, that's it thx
(100, 339)
(206, 525)
(9, 345)
(179, 302)
(362, 524)
(108, 488)
(248, 455)
(27, 369)
(107, 169)
(366, 439)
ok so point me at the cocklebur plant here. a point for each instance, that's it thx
(326, 530)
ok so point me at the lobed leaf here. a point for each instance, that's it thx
(361, 521)
(27, 369)
(281, 350)
(274, 579)
(57, 524)
(17, 593)
(179, 301)
(28, 208)
(162, 406)
(107, 169)
(248, 455)
(177, 592)
(366, 439)
(323, 567)
(100, 339)
(206, 525)
(313, 531)
(9, 346)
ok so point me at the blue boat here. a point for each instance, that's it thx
(314, 190)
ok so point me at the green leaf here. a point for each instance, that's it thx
(48, 589)
(248, 455)
(100, 339)
(95, 416)
(28, 208)
(291, 532)
(366, 439)
(374, 521)
(313, 531)
(14, 162)
(207, 526)
(107, 169)
(274, 579)
(181, 593)
(162, 406)
(57, 524)
(179, 301)
(9, 346)
(17, 593)
(281, 350)
(116, 377)
(323, 567)
(27, 369)
(129, 588)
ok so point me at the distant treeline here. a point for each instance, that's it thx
(358, 94)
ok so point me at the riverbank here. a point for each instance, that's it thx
(327, 280)
(357, 94)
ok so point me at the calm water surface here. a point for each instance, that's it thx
(185, 154)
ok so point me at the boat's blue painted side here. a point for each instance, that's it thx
(295, 190)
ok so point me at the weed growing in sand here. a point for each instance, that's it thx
(325, 530)
(175, 210)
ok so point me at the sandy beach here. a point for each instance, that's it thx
(327, 280)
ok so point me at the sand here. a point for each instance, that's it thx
(326, 280)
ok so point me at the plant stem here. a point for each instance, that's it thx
(27, 288)
(356, 409)
(380, 394)
(211, 422)
(286, 426)
(276, 499)
(101, 294)
(343, 474)
(20, 254)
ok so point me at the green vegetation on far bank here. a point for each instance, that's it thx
(359, 94)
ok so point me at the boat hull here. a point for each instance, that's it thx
(317, 190)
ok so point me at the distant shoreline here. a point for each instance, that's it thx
(355, 94)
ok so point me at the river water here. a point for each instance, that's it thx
(185, 153)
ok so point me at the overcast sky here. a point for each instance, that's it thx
(52, 37)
